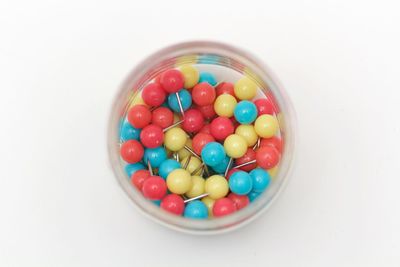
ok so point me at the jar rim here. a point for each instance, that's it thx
(264, 201)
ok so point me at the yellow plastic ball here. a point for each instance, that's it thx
(266, 126)
(273, 172)
(191, 75)
(185, 60)
(235, 146)
(209, 202)
(175, 139)
(245, 89)
(224, 105)
(137, 100)
(248, 133)
(193, 164)
(216, 186)
(184, 152)
(179, 181)
(197, 187)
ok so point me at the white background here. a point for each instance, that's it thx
(60, 65)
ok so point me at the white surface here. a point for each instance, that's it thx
(60, 64)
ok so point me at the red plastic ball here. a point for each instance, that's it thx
(267, 157)
(153, 94)
(206, 129)
(230, 172)
(248, 156)
(138, 178)
(223, 206)
(173, 203)
(154, 188)
(239, 201)
(139, 116)
(172, 80)
(193, 121)
(273, 141)
(200, 140)
(131, 151)
(203, 94)
(264, 106)
(162, 117)
(221, 128)
(225, 88)
(207, 111)
(152, 136)
(272, 99)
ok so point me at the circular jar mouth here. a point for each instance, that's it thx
(210, 53)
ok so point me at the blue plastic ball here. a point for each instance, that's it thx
(132, 168)
(128, 132)
(208, 59)
(220, 168)
(240, 183)
(207, 77)
(261, 179)
(253, 195)
(184, 96)
(156, 202)
(155, 155)
(245, 112)
(168, 166)
(213, 154)
(196, 210)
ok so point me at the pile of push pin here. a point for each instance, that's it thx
(199, 148)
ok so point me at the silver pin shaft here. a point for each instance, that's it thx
(172, 126)
(187, 162)
(227, 167)
(245, 164)
(180, 104)
(194, 198)
(150, 168)
(191, 151)
(257, 145)
(198, 169)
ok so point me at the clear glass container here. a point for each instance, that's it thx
(209, 55)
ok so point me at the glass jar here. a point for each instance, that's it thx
(207, 55)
